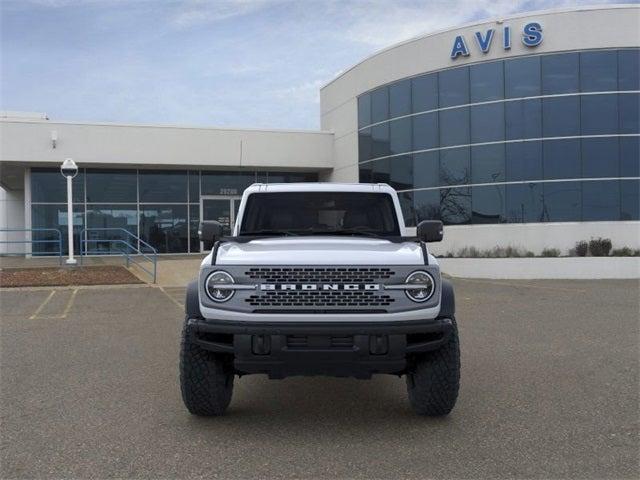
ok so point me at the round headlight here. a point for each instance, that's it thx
(214, 286)
(424, 286)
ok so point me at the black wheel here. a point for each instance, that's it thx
(433, 379)
(206, 378)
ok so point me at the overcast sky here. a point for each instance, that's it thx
(244, 63)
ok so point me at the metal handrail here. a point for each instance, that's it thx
(32, 241)
(151, 256)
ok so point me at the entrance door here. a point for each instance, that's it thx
(219, 209)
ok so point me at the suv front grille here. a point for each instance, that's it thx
(319, 298)
(320, 274)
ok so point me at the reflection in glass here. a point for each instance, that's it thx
(426, 169)
(561, 116)
(560, 73)
(364, 145)
(379, 104)
(561, 159)
(400, 135)
(524, 203)
(455, 205)
(600, 200)
(365, 172)
(599, 114)
(380, 172)
(117, 186)
(487, 164)
(629, 69)
(562, 202)
(194, 223)
(163, 186)
(165, 227)
(401, 172)
(49, 186)
(55, 216)
(600, 157)
(424, 93)
(523, 119)
(454, 127)
(522, 77)
(380, 141)
(630, 200)
(488, 204)
(454, 166)
(194, 186)
(114, 218)
(406, 204)
(630, 157)
(487, 123)
(523, 161)
(629, 113)
(487, 81)
(425, 131)
(400, 98)
(598, 71)
(426, 204)
(453, 87)
(364, 110)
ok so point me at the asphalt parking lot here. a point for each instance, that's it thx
(550, 381)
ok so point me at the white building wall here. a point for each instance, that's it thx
(11, 217)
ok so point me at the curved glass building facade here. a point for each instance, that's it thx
(536, 138)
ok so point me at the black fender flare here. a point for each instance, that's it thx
(192, 301)
(448, 300)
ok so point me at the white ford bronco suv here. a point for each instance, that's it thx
(319, 279)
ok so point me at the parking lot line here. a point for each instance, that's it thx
(42, 305)
(180, 305)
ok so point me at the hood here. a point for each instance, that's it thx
(318, 251)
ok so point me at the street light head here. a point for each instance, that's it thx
(69, 169)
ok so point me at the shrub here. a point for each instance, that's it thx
(625, 252)
(600, 247)
(581, 248)
(550, 252)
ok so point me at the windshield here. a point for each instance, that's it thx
(320, 213)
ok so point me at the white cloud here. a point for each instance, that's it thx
(196, 12)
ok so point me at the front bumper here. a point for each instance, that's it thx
(355, 349)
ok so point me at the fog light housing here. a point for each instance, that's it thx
(424, 288)
(214, 286)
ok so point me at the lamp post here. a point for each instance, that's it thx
(69, 170)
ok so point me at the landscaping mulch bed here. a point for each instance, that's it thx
(58, 276)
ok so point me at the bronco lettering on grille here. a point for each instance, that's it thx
(319, 286)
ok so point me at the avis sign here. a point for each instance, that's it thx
(531, 37)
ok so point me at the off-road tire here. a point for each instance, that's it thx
(206, 378)
(433, 379)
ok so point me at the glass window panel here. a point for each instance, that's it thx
(49, 186)
(560, 73)
(408, 212)
(380, 171)
(524, 203)
(562, 201)
(561, 159)
(165, 227)
(630, 200)
(487, 164)
(163, 186)
(600, 200)
(522, 77)
(630, 156)
(194, 186)
(561, 117)
(115, 218)
(426, 169)
(116, 186)
(400, 98)
(629, 113)
(455, 205)
(454, 127)
(365, 172)
(629, 69)
(194, 223)
(291, 177)
(487, 123)
(600, 157)
(453, 86)
(400, 135)
(380, 104)
(488, 204)
(53, 216)
(523, 119)
(226, 183)
(365, 147)
(523, 161)
(599, 114)
(599, 71)
(380, 141)
(424, 93)
(364, 110)
(426, 204)
(455, 166)
(401, 173)
(487, 81)
(425, 131)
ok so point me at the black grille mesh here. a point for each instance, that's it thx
(319, 274)
(320, 298)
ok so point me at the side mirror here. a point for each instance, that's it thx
(209, 233)
(430, 231)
